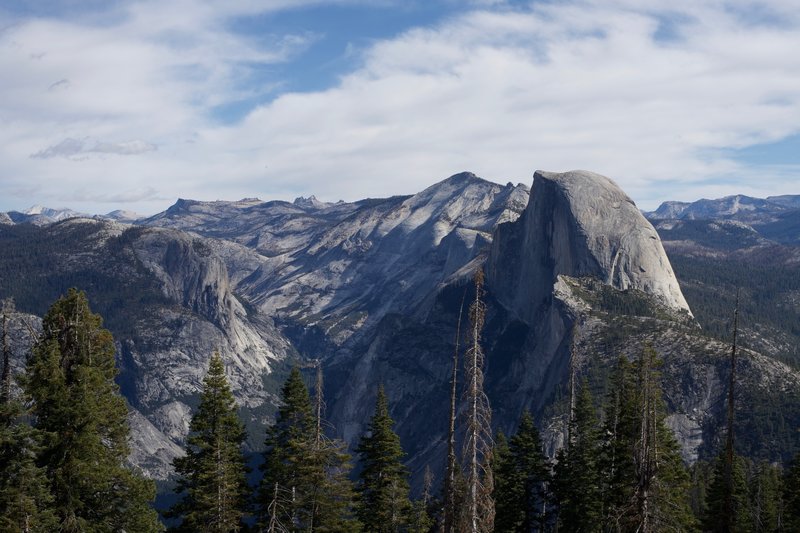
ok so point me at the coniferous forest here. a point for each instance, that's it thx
(63, 449)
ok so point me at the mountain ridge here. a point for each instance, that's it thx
(373, 288)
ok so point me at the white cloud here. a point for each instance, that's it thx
(585, 84)
(76, 149)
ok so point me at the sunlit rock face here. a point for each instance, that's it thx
(578, 224)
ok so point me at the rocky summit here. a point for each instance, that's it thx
(374, 289)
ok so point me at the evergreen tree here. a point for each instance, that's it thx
(727, 499)
(305, 485)
(506, 519)
(213, 473)
(766, 498)
(287, 453)
(421, 520)
(331, 500)
(646, 485)
(521, 501)
(577, 473)
(25, 499)
(70, 378)
(724, 492)
(621, 429)
(791, 496)
(662, 490)
(383, 487)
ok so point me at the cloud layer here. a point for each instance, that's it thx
(653, 97)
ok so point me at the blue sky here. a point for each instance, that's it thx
(130, 104)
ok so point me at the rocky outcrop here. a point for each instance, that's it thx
(577, 224)
(374, 289)
(168, 299)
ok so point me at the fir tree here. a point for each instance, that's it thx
(70, 378)
(305, 485)
(621, 429)
(577, 473)
(421, 520)
(727, 500)
(662, 491)
(791, 496)
(506, 519)
(331, 500)
(766, 498)
(383, 487)
(521, 481)
(646, 486)
(25, 499)
(287, 453)
(213, 473)
(728, 489)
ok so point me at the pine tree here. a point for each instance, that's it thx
(305, 485)
(383, 485)
(646, 486)
(621, 429)
(728, 489)
(25, 499)
(727, 501)
(213, 473)
(421, 520)
(506, 517)
(521, 481)
(766, 498)
(791, 496)
(288, 453)
(662, 488)
(331, 499)
(577, 480)
(77, 404)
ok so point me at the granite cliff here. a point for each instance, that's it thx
(575, 276)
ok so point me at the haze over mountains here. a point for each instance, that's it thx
(576, 275)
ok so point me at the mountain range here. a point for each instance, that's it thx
(372, 290)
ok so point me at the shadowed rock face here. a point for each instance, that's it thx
(578, 224)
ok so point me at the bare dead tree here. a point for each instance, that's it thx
(729, 456)
(572, 371)
(479, 505)
(5, 387)
(646, 450)
(319, 405)
(452, 462)
(275, 509)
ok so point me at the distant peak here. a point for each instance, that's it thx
(310, 203)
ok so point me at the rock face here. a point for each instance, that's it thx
(576, 277)
(167, 297)
(340, 268)
(578, 224)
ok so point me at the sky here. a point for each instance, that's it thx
(131, 104)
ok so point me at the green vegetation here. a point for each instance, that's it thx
(78, 409)
(770, 299)
(40, 264)
(383, 488)
(304, 485)
(212, 474)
